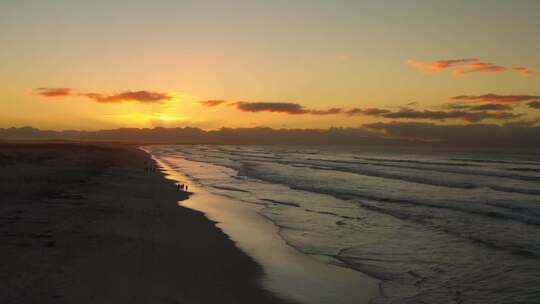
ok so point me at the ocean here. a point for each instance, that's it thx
(431, 225)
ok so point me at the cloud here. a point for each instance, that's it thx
(438, 65)
(278, 107)
(481, 107)
(472, 67)
(465, 112)
(330, 111)
(456, 106)
(491, 107)
(291, 108)
(494, 98)
(461, 67)
(54, 92)
(470, 116)
(368, 111)
(523, 71)
(282, 107)
(212, 102)
(138, 96)
(535, 104)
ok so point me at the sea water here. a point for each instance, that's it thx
(434, 226)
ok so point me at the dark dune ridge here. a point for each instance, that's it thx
(524, 135)
(83, 223)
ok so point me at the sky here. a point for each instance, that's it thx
(90, 65)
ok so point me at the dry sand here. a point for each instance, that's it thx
(86, 223)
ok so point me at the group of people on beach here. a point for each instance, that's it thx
(182, 187)
(179, 186)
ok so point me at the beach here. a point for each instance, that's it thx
(105, 223)
(289, 272)
(100, 223)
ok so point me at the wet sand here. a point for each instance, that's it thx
(89, 223)
(288, 272)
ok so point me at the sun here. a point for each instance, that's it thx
(146, 119)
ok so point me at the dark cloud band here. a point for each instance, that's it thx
(53, 92)
(494, 98)
(147, 97)
(462, 112)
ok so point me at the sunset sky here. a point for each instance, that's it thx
(285, 64)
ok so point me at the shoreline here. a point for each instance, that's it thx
(288, 272)
(84, 222)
